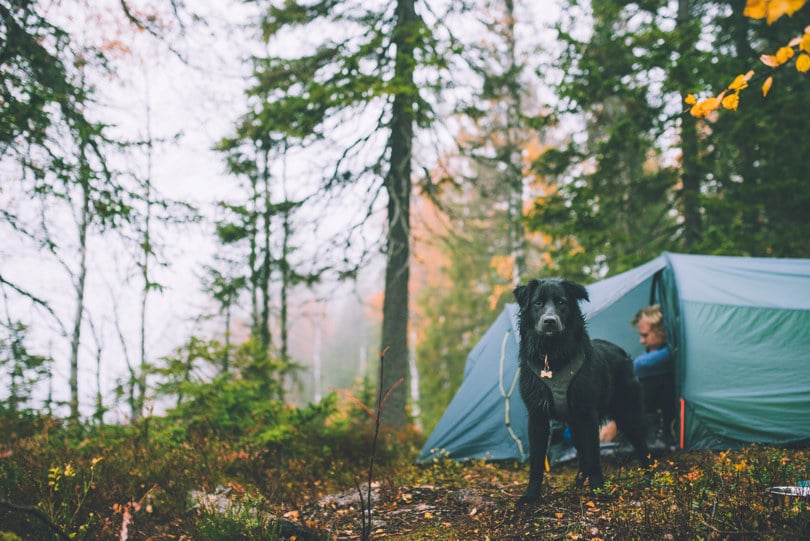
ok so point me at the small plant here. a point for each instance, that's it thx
(68, 490)
(366, 502)
(444, 470)
(235, 519)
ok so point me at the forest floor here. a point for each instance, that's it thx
(684, 496)
(222, 494)
(480, 504)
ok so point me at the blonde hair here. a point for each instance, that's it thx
(652, 315)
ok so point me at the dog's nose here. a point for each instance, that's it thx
(549, 322)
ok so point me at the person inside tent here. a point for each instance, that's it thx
(655, 371)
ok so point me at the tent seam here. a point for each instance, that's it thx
(507, 396)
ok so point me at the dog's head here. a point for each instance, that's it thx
(550, 306)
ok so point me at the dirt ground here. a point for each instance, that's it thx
(477, 502)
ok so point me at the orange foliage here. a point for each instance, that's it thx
(770, 10)
(428, 259)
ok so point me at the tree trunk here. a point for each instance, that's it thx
(265, 274)
(226, 353)
(398, 185)
(690, 180)
(146, 251)
(253, 233)
(285, 286)
(286, 275)
(99, 413)
(517, 237)
(750, 193)
(80, 283)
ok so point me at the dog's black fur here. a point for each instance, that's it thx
(552, 327)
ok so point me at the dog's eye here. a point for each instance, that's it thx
(537, 302)
(559, 301)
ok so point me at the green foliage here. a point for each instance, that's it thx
(189, 365)
(43, 122)
(229, 406)
(446, 472)
(324, 450)
(25, 369)
(241, 519)
(65, 502)
(31, 75)
(254, 362)
(755, 189)
(615, 189)
(638, 183)
(703, 493)
(225, 434)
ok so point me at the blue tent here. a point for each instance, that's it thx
(739, 329)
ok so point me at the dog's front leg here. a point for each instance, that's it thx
(539, 428)
(585, 436)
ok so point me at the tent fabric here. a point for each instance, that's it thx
(743, 353)
(739, 329)
(486, 418)
(477, 423)
(615, 300)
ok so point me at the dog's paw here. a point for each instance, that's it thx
(593, 481)
(529, 498)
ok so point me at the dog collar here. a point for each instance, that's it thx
(567, 370)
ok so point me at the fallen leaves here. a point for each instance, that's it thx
(480, 502)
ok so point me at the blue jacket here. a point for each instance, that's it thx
(653, 363)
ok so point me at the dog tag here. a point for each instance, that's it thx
(546, 371)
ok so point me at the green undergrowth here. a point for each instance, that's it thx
(275, 463)
(59, 480)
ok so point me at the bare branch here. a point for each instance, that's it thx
(36, 300)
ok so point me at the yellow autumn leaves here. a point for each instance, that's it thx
(798, 47)
(799, 44)
(771, 9)
(728, 98)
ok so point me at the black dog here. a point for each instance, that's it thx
(566, 376)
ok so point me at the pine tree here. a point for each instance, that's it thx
(357, 85)
(648, 176)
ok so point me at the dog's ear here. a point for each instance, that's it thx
(523, 293)
(576, 291)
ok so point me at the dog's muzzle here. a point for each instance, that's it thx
(549, 324)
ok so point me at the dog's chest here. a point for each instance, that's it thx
(558, 381)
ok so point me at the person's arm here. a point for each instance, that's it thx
(653, 363)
